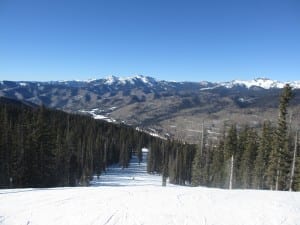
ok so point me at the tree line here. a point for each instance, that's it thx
(40, 147)
(242, 157)
(43, 148)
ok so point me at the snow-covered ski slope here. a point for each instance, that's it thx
(132, 197)
(135, 175)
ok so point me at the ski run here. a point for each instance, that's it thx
(130, 196)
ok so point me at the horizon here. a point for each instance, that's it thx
(157, 79)
(51, 40)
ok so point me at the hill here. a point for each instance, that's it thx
(163, 107)
(40, 147)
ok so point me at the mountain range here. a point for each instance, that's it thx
(179, 109)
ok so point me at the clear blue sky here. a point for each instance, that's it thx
(214, 40)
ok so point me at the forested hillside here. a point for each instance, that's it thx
(42, 148)
(242, 157)
(162, 107)
(45, 148)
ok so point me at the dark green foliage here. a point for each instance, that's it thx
(218, 169)
(44, 148)
(231, 142)
(230, 149)
(248, 158)
(197, 169)
(280, 158)
(262, 159)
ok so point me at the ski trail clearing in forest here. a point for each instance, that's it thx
(135, 175)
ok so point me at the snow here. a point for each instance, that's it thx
(264, 83)
(101, 117)
(257, 82)
(23, 84)
(151, 132)
(260, 82)
(98, 116)
(130, 79)
(135, 175)
(133, 197)
(110, 80)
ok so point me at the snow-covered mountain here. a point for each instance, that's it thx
(140, 80)
(264, 83)
(150, 103)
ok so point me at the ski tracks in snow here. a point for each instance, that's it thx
(136, 198)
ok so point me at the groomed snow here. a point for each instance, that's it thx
(131, 197)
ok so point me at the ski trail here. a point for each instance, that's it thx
(135, 175)
(107, 222)
(116, 198)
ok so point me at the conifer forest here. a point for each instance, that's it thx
(40, 147)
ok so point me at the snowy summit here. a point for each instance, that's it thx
(110, 80)
(260, 82)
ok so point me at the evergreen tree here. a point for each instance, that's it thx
(280, 160)
(248, 158)
(196, 168)
(262, 159)
(239, 157)
(45, 139)
(200, 163)
(230, 150)
(217, 167)
(45, 148)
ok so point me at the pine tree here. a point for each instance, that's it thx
(248, 158)
(243, 137)
(46, 146)
(280, 159)
(230, 150)
(165, 149)
(217, 167)
(196, 168)
(262, 159)
(200, 162)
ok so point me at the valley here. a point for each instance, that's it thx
(175, 109)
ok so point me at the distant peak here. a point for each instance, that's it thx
(265, 83)
(110, 79)
(129, 79)
(262, 78)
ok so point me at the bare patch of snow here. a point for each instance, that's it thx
(23, 84)
(19, 95)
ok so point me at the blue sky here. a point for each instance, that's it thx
(214, 40)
